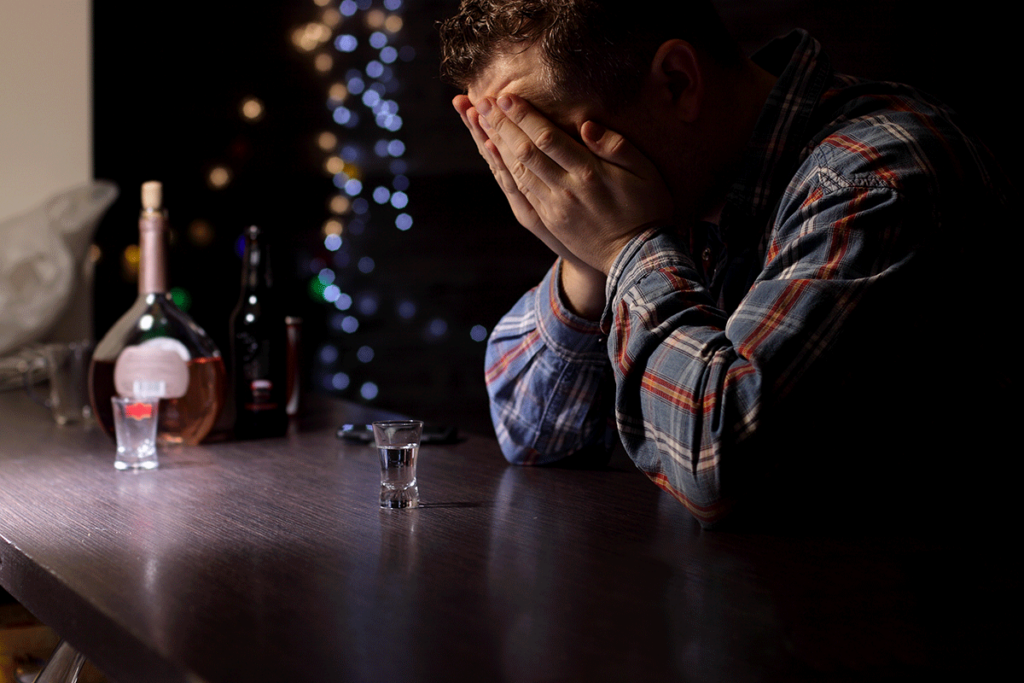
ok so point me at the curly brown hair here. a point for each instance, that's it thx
(593, 48)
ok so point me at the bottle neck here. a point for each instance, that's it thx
(152, 257)
(256, 272)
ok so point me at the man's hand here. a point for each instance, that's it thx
(523, 210)
(582, 285)
(592, 199)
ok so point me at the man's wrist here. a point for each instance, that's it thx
(582, 289)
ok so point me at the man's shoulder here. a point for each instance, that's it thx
(893, 136)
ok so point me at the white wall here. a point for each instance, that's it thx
(45, 100)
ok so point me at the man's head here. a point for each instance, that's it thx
(592, 50)
(679, 89)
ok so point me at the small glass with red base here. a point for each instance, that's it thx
(135, 422)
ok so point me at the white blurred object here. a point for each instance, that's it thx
(45, 271)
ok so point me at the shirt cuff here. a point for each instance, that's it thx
(652, 250)
(569, 336)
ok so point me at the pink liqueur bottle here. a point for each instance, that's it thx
(156, 350)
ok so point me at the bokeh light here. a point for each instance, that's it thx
(200, 233)
(130, 263)
(324, 62)
(328, 354)
(340, 204)
(252, 109)
(327, 141)
(181, 298)
(311, 36)
(218, 178)
(364, 47)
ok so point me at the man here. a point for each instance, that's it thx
(763, 271)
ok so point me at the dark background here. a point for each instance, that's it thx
(169, 80)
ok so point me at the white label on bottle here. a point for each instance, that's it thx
(152, 369)
(169, 344)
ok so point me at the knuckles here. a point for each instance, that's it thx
(525, 152)
(545, 140)
(588, 175)
(568, 197)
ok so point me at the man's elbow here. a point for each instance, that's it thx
(516, 454)
(527, 455)
(705, 502)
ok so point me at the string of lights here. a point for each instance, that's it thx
(357, 47)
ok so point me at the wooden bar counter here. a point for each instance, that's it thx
(271, 561)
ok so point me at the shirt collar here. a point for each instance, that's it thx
(804, 73)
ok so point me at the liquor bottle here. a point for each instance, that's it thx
(259, 347)
(155, 349)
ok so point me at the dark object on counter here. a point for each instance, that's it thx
(259, 344)
(294, 394)
(432, 433)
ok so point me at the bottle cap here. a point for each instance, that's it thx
(152, 194)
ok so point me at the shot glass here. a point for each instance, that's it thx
(67, 368)
(398, 443)
(135, 426)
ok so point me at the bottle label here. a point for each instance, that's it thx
(154, 368)
(259, 393)
(149, 387)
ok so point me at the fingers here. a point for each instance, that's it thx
(470, 118)
(492, 156)
(615, 149)
(522, 186)
(536, 151)
(521, 207)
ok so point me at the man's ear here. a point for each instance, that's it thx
(678, 78)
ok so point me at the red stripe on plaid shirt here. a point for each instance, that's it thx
(499, 366)
(707, 514)
(773, 247)
(669, 391)
(839, 240)
(868, 153)
(772, 318)
(901, 104)
(622, 330)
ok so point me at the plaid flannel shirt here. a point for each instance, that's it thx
(848, 193)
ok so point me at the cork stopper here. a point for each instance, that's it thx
(152, 195)
(152, 235)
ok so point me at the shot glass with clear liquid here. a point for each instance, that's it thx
(398, 444)
(135, 427)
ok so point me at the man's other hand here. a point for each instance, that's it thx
(582, 285)
(593, 199)
(523, 210)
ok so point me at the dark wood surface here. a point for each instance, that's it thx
(270, 561)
